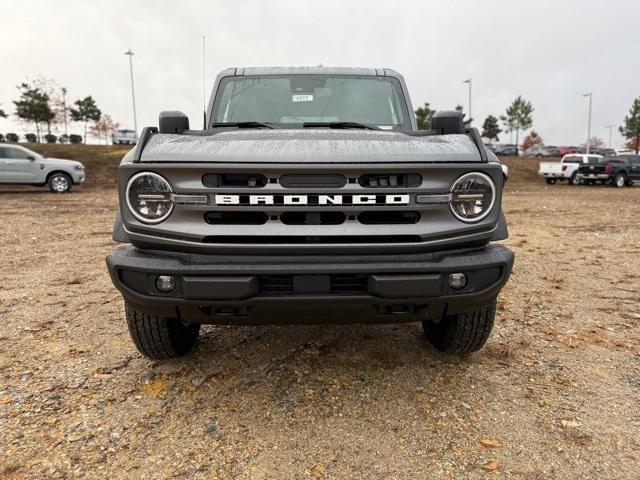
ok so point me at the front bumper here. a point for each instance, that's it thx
(593, 176)
(309, 289)
(552, 175)
(78, 177)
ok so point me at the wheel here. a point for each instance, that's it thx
(463, 332)
(60, 183)
(160, 337)
(551, 181)
(573, 180)
(620, 180)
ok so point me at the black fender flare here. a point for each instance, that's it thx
(502, 231)
(119, 234)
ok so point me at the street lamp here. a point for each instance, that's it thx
(610, 127)
(133, 94)
(468, 80)
(590, 95)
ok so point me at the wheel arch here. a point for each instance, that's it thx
(54, 171)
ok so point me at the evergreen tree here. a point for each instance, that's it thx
(424, 115)
(631, 128)
(86, 110)
(490, 128)
(33, 106)
(519, 116)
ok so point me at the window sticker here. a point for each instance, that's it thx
(302, 98)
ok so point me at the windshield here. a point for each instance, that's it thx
(297, 99)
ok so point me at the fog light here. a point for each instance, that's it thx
(457, 280)
(165, 283)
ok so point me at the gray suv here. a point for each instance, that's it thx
(19, 165)
(310, 196)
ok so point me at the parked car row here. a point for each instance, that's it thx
(621, 170)
(543, 151)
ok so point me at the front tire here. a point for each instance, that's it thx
(160, 337)
(573, 180)
(463, 332)
(59, 183)
(551, 181)
(620, 180)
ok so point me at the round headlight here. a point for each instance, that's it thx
(472, 197)
(149, 197)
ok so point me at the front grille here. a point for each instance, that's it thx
(315, 208)
(338, 284)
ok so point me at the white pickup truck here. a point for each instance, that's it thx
(566, 168)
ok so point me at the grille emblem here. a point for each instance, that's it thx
(323, 200)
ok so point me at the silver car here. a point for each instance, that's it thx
(19, 165)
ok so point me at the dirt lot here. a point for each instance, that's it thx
(555, 394)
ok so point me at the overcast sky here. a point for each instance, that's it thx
(551, 52)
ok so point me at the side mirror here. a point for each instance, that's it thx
(31, 157)
(172, 121)
(449, 122)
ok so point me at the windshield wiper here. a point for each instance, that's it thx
(242, 125)
(339, 125)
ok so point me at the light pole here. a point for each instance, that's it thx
(590, 95)
(133, 93)
(468, 80)
(610, 127)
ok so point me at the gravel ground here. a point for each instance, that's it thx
(553, 395)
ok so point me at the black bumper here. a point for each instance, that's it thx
(310, 289)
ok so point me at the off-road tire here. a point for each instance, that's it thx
(463, 332)
(160, 337)
(551, 181)
(59, 183)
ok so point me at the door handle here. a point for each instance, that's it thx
(9, 163)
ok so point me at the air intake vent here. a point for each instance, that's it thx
(235, 218)
(390, 180)
(338, 284)
(313, 218)
(313, 181)
(237, 180)
(388, 218)
(347, 284)
(276, 284)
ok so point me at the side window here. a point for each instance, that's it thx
(16, 153)
(594, 159)
(2, 155)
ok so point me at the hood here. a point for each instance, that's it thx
(310, 146)
(61, 162)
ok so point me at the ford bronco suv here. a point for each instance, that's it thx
(309, 196)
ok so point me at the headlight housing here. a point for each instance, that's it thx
(148, 197)
(472, 197)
